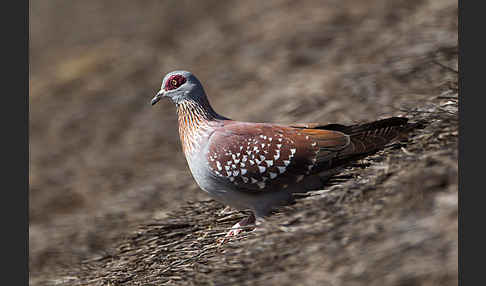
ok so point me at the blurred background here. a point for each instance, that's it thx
(103, 160)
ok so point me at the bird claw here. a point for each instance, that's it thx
(238, 228)
(235, 230)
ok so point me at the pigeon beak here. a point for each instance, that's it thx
(157, 97)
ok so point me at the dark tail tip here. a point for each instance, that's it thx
(421, 124)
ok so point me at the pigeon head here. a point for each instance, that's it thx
(180, 86)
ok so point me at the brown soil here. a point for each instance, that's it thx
(112, 201)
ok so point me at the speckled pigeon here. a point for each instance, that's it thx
(258, 166)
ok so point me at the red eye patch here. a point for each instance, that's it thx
(174, 82)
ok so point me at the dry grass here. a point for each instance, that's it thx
(393, 222)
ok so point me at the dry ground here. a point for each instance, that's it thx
(109, 185)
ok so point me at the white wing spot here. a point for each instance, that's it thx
(270, 139)
(236, 172)
(281, 169)
(263, 145)
(313, 144)
(293, 151)
(242, 165)
(218, 164)
(252, 162)
(253, 180)
(279, 145)
(233, 166)
(243, 171)
(269, 163)
(286, 162)
(226, 168)
(262, 157)
(272, 175)
(244, 158)
(231, 179)
(262, 169)
(276, 156)
(261, 185)
(237, 161)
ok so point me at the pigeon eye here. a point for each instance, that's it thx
(174, 82)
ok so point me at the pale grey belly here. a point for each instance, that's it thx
(261, 203)
(227, 193)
